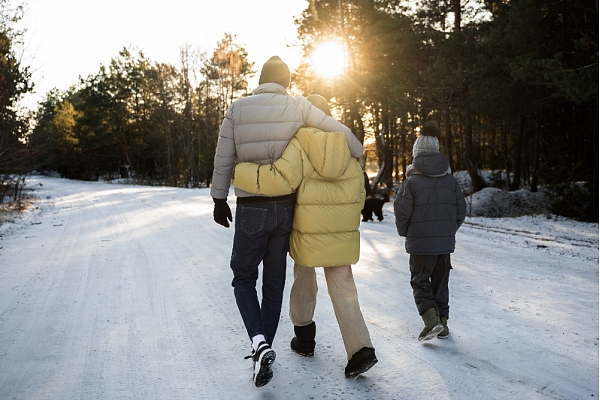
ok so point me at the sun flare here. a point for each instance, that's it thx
(328, 59)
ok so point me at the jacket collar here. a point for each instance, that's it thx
(270, 88)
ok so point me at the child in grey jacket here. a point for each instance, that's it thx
(429, 209)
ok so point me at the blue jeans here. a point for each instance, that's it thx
(262, 232)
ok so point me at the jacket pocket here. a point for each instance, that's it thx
(252, 219)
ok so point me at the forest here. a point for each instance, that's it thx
(513, 85)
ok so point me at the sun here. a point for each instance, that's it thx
(328, 59)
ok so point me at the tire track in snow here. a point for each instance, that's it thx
(441, 380)
(103, 373)
(188, 337)
(41, 331)
(560, 244)
(92, 373)
(188, 352)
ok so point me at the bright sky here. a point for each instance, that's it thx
(66, 39)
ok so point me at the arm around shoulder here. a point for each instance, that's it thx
(356, 148)
(315, 118)
(277, 179)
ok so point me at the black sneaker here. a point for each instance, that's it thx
(361, 362)
(263, 357)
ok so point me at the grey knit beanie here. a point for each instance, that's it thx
(427, 140)
(275, 71)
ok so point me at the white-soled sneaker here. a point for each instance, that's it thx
(263, 358)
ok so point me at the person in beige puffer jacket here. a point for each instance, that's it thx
(330, 197)
(257, 129)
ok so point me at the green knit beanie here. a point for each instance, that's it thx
(275, 71)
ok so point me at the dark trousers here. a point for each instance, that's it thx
(262, 232)
(429, 280)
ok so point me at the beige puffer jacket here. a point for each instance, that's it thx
(330, 195)
(257, 129)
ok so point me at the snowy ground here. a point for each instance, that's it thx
(123, 292)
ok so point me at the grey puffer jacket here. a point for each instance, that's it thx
(430, 206)
(258, 128)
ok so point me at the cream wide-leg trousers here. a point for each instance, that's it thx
(344, 298)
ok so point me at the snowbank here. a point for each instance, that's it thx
(492, 202)
(495, 203)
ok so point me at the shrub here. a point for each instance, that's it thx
(576, 200)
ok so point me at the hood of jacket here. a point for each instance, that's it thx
(431, 163)
(327, 152)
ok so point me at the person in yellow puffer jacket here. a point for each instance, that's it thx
(330, 195)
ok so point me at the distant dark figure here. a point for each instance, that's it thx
(374, 205)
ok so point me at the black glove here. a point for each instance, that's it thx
(222, 212)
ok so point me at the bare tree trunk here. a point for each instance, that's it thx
(477, 181)
(514, 185)
(457, 15)
(16, 194)
(379, 143)
(448, 137)
(505, 154)
(536, 155)
(357, 123)
(395, 149)
(403, 151)
(387, 148)
(169, 151)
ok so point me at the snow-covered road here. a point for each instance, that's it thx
(124, 292)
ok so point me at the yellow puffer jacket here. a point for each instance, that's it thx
(330, 195)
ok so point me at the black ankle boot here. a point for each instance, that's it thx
(361, 362)
(304, 341)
